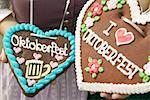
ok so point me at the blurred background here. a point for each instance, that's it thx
(1, 43)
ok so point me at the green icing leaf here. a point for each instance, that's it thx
(119, 1)
(148, 58)
(146, 78)
(103, 2)
(101, 69)
(87, 69)
(119, 5)
(141, 74)
(96, 18)
(105, 9)
(84, 30)
(90, 59)
(89, 14)
(100, 61)
(83, 26)
(94, 75)
(123, 2)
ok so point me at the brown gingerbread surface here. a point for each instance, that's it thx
(28, 54)
(136, 51)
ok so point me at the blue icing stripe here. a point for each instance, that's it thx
(57, 70)
(27, 27)
(35, 30)
(6, 40)
(61, 66)
(14, 64)
(7, 44)
(73, 47)
(39, 86)
(12, 29)
(31, 90)
(71, 59)
(72, 53)
(25, 88)
(47, 33)
(22, 79)
(71, 38)
(9, 51)
(40, 32)
(72, 42)
(66, 63)
(66, 34)
(18, 72)
(17, 28)
(41, 83)
(51, 33)
(50, 76)
(11, 57)
(57, 32)
(22, 26)
(9, 34)
(32, 27)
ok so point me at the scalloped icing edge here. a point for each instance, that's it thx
(139, 88)
(15, 66)
(136, 15)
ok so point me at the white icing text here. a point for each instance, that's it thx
(110, 54)
(27, 44)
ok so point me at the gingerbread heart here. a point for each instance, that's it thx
(31, 66)
(112, 49)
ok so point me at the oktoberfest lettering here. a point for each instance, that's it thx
(18, 41)
(102, 47)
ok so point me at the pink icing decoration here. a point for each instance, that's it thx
(94, 66)
(37, 56)
(112, 4)
(59, 58)
(123, 37)
(31, 82)
(17, 49)
(54, 64)
(96, 9)
(20, 60)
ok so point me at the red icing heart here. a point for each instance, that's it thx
(123, 37)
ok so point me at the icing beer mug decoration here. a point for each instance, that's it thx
(35, 69)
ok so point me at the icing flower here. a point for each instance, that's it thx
(89, 22)
(147, 68)
(112, 4)
(96, 9)
(94, 67)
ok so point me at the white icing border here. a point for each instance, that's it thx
(138, 88)
(136, 15)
